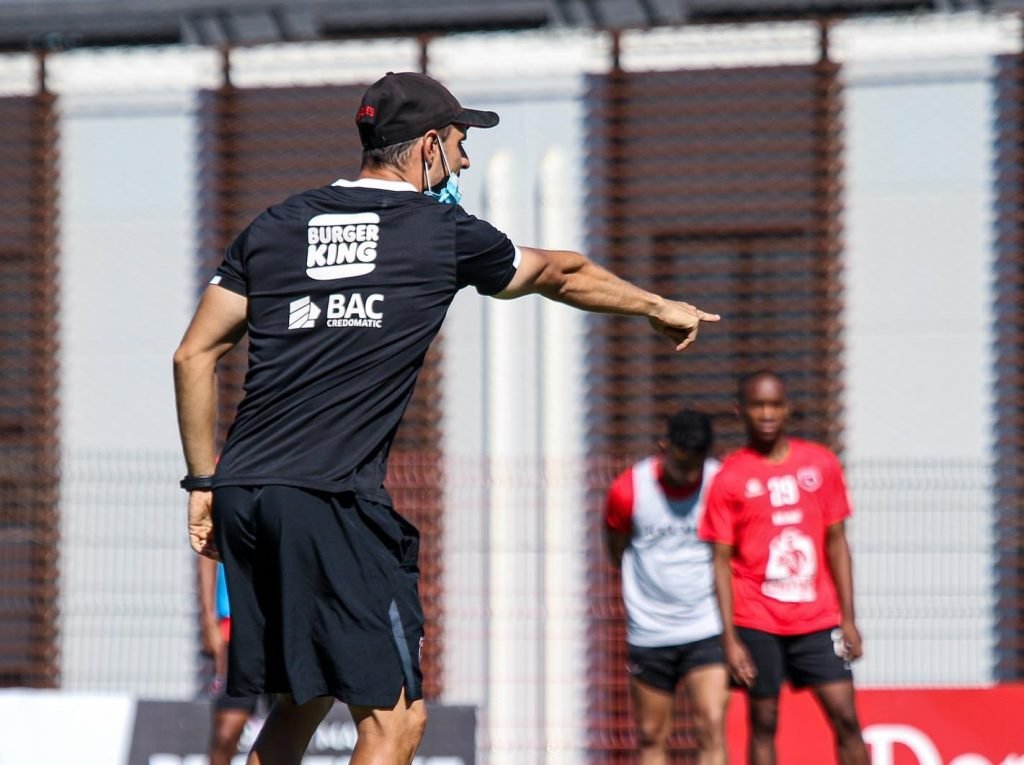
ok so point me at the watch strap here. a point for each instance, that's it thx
(194, 482)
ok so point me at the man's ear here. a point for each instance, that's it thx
(429, 147)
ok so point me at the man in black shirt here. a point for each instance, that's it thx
(341, 289)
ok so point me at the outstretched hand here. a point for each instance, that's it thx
(680, 321)
(200, 523)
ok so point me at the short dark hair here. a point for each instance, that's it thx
(395, 155)
(757, 374)
(690, 430)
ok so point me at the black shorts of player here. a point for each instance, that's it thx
(252, 705)
(805, 660)
(663, 666)
(324, 595)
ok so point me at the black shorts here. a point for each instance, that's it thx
(324, 595)
(662, 667)
(804, 660)
(215, 689)
(251, 705)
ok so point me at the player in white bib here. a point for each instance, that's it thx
(673, 627)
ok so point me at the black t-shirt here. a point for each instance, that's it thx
(347, 286)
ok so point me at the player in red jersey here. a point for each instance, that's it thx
(783, 577)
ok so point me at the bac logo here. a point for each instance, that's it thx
(302, 314)
(342, 246)
(351, 310)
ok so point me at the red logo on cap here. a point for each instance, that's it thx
(366, 112)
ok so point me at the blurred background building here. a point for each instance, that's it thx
(840, 180)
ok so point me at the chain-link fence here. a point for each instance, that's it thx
(922, 541)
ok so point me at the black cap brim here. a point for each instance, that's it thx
(476, 118)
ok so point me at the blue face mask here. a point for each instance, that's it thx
(449, 194)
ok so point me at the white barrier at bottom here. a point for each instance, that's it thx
(64, 729)
(59, 728)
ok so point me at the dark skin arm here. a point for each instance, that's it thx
(206, 587)
(841, 565)
(616, 544)
(736, 655)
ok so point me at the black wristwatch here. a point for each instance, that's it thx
(194, 482)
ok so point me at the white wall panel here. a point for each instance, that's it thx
(127, 253)
(919, 219)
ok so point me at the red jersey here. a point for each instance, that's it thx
(775, 517)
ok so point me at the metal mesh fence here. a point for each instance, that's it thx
(924, 536)
(722, 185)
(128, 603)
(922, 540)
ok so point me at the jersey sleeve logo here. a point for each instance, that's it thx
(754, 488)
(809, 478)
(340, 246)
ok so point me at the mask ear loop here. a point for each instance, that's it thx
(444, 163)
(444, 159)
(426, 176)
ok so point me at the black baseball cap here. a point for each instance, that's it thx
(404, 105)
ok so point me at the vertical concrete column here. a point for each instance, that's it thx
(515, 709)
(562, 339)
